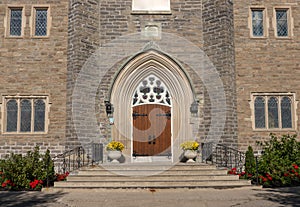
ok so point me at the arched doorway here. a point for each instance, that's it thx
(169, 99)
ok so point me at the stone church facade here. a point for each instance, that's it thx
(213, 71)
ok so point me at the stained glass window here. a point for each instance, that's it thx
(273, 112)
(286, 112)
(25, 115)
(259, 107)
(15, 28)
(12, 116)
(41, 22)
(282, 22)
(39, 115)
(257, 22)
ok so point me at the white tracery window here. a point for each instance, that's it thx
(151, 90)
(25, 114)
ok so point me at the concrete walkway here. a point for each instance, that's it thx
(243, 197)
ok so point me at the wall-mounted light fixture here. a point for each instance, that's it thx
(109, 108)
(194, 108)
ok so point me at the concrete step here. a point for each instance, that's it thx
(162, 175)
(152, 169)
(174, 177)
(151, 172)
(156, 184)
(199, 166)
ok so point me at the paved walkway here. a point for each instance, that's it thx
(238, 197)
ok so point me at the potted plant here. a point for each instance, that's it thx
(190, 150)
(114, 149)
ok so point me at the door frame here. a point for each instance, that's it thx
(131, 140)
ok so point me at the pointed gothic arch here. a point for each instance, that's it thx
(143, 66)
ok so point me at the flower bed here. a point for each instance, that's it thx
(277, 167)
(29, 172)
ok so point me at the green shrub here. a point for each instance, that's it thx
(250, 162)
(28, 172)
(278, 166)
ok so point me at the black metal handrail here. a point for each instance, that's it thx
(78, 157)
(223, 156)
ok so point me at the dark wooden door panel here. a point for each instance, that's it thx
(152, 130)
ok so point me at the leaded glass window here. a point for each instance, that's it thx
(39, 116)
(273, 112)
(259, 107)
(15, 27)
(282, 22)
(25, 116)
(257, 22)
(41, 15)
(286, 112)
(11, 116)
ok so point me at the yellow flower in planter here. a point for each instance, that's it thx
(115, 146)
(189, 145)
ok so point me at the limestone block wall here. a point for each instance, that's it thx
(35, 67)
(267, 64)
(219, 46)
(207, 25)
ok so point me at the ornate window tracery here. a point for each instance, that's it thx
(151, 90)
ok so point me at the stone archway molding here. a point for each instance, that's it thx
(152, 63)
(96, 67)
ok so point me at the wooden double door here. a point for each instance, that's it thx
(151, 130)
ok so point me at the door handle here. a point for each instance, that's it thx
(151, 139)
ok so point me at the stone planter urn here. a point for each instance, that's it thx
(190, 155)
(114, 155)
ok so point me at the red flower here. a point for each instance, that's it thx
(263, 178)
(3, 185)
(295, 166)
(34, 183)
(249, 175)
(286, 174)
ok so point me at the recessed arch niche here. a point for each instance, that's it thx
(127, 81)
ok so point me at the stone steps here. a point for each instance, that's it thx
(166, 178)
(181, 175)
(153, 184)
